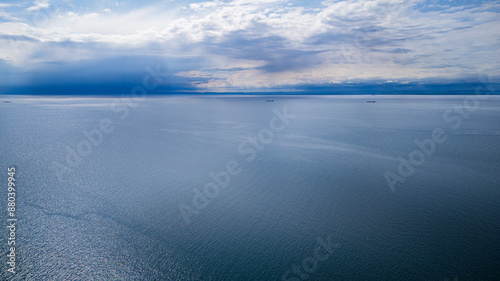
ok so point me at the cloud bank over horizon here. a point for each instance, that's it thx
(245, 45)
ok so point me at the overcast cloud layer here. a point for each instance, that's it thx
(245, 44)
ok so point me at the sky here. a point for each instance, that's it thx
(65, 47)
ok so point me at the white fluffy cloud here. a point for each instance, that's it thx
(39, 4)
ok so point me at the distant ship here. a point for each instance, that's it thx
(370, 101)
(269, 100)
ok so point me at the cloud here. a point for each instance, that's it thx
(106, 75)
(272, 51)
(265, 43)
(39, 4)
(8, 5)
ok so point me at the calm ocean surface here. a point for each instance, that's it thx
(115, 212)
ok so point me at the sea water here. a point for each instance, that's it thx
(253, 187)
